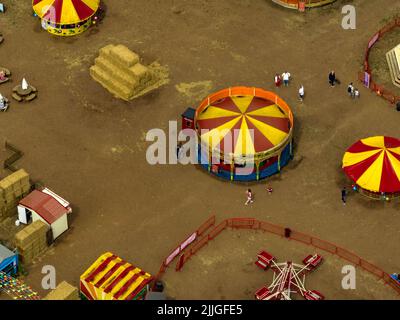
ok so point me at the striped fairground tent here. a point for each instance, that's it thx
(67, 17)
(374, 164)
(242, 126)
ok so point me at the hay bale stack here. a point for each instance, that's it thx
(64, 291)
(31, 241)
(12, 189)
(119, 71)
(393, 60)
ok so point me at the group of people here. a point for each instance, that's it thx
(353, 92)
(333, 81)
(250, 196)
(285, 79)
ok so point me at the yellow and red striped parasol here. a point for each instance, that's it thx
(65, 12)
(253, 124)
(374, 164)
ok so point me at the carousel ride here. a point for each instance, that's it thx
(373, 164)
(289, 278)
(302, 4)
(245, 133)
(66, 17)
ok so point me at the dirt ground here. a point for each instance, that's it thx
(90, 148)
(234, 252)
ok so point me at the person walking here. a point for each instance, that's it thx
(249, 197)
(332, 78)
(278, 80)
(344, 195)
(350, 90)
(286, 77)
(301, 93)
(356, 93)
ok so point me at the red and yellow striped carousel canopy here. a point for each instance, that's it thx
(374, 164)
(65, 11)
(252, 125)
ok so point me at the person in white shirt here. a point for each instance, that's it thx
(356, 93)
(249, 197)
(301, 93)
(350, 90)
(286, 78)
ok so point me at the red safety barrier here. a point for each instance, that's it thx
(379, 89)
(254, 224)
(187, 243)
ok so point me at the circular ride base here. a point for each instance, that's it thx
(295, 4)
(270, 168)
(67, 30)
(245, 134)
(373, 164)
(377, 196)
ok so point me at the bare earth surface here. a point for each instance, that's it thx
(232, 255)
(90, 148)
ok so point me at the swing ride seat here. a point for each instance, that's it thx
(262, 293)
(313, 261)
(264, 260)
(313, 295)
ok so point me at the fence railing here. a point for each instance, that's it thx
(190, 242)
(254, 224)
(379, 89)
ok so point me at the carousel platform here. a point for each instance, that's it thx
(393, 59)
(294, 4)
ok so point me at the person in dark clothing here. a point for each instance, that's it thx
(332, 78)
(344, 195)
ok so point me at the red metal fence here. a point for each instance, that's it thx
(191, 241)
(254, 224)
(379, 89)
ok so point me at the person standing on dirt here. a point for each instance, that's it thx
(344, 195)
(350, 90)
(278, 80)
(301, 93)
(286, 77)
(332, 78)
(249, 197)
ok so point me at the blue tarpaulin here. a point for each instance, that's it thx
(8, 261)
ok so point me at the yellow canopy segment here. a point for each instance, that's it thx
(111, 278)
(66, 17)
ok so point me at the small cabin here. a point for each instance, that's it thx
(46, 206)
(188, 119)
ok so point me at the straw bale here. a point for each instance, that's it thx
(64, 291)
(124, 56)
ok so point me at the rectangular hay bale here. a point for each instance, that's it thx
(124, 56)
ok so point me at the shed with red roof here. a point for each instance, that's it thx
(39, 205)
